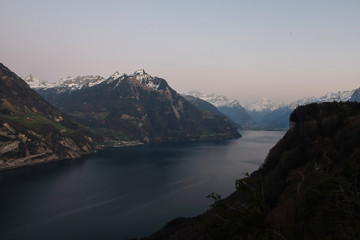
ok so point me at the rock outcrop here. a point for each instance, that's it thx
(32, 131)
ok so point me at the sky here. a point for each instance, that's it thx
(283, 50)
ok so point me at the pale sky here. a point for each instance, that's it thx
(280, 49)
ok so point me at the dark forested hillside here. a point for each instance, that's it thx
(307, 188)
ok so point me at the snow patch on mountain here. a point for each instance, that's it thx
(79, 82)
(139, 75)
(216, 100)
(264, 104)
(65, 84)
(115, 76)
(34, 82)
(146, 79)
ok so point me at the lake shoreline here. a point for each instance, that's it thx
(117, 145)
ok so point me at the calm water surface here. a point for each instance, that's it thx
(120, 193)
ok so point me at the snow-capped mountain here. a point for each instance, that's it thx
(79, 82)
(264, 104)
(356, 96)
(340, 96)
(140, 75)
(146, 79)
(74, 83)
(216, 100)
(229, 107)
(267, 105)
(114, 76)
(272, 116)
(65, 84)
(34, 82)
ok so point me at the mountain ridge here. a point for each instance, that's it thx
(269, 115)
(266, 104)
(140, 107)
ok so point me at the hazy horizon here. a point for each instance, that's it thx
(245, 50)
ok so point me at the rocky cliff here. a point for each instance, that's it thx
(32, 130)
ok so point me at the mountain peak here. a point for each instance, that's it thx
(34, 82)
(115, 75)
(140, 72)
(142, 76)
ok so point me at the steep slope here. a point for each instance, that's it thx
(238, 114)
(310, 175)
(356, 96)
(229, 107)
(31, 130)
(205, 107)
(307, 188)
(140, 107)
(202, 105)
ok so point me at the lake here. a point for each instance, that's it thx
(127, 192)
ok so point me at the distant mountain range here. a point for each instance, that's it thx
(341, 96)
(267, 105)
(65, 84)
(269, 115)
(263, 114)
